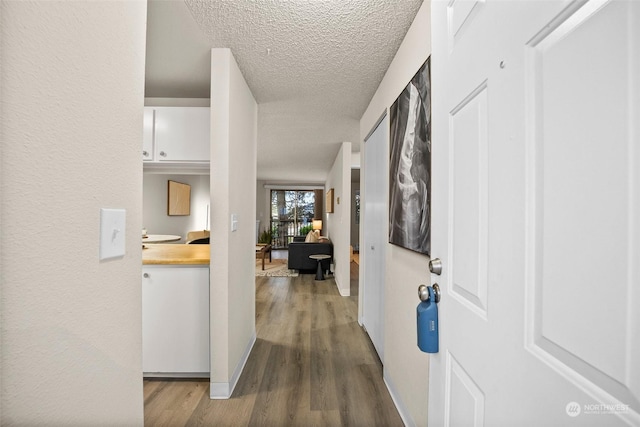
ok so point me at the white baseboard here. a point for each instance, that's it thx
(225, 390)
(243, 361)
(343, 292)
(175, 375)
(219, 391)
(407, 419)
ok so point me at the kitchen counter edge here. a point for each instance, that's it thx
(175, 254)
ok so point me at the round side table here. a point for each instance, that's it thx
(319, 258)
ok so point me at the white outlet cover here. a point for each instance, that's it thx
(112, 233)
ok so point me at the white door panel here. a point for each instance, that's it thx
(468, 194)
(464, 403)
(374, 236)
(585, 220)
(536, 212)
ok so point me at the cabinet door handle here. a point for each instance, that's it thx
(163, 154)
(145, 275)
(145, 153)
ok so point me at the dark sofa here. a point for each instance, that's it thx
(299, 255)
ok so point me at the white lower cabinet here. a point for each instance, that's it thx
(175, 320)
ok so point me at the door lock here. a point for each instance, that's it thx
(427, 317)
(435, 266)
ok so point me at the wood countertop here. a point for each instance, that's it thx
(175, 254)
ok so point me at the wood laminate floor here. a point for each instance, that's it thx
(311, 365)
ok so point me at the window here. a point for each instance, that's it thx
(290, 211)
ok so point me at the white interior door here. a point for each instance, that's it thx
(536, 212)
(374, 236)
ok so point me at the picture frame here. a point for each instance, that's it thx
(410, 164)
(329, 201)
(178, 199)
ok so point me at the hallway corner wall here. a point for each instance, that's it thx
(72, 112)
(339, 222)
(405, 270)
(233, 197)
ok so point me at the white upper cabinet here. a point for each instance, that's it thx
(177, 134)
(147, 135)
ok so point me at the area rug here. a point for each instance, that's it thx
(275, 268)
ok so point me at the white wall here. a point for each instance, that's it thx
(72, 105)
(405, 270)
(154, 205)
(339, 222)
(355, 160)
(233, 191)
(2, 202)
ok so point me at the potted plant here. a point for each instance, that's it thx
(305, 230)
(265, 238)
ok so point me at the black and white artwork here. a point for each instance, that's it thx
(410, 165)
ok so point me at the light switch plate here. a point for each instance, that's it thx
(234, 222)
(112, 233)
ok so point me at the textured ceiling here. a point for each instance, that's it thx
(312, 65)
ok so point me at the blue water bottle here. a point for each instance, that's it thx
(427, 313)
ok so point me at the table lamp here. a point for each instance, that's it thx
(317, 226)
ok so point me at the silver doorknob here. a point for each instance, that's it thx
(423, 292)
(436, 292)
(435, 266)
